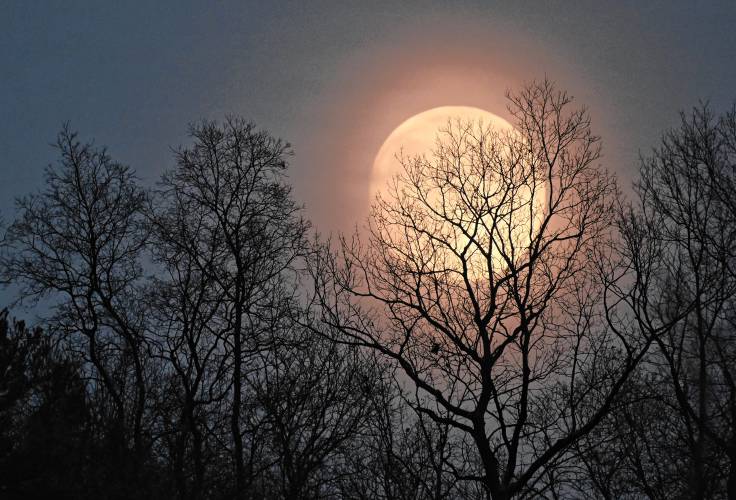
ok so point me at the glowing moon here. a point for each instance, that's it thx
(506, 237)
(417, 136)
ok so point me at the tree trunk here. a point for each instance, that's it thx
(698, 479)
(494, 490)
(237, 389)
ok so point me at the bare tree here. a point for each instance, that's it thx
(638, 450)
(685, 214)
(401, 455)
(80, 241)
(315, 398)
(230, 182)
(480, 280)
(189, 327)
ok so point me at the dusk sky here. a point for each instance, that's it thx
(335, 78)
(501, 264)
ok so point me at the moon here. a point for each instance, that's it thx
(418, 136)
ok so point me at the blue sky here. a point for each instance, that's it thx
(132, 75)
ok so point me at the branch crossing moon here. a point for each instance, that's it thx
(482, 191)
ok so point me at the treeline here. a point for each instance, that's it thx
(506, 326)
(174, 362)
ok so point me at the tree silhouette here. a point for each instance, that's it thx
(680, 232)
(314, 394)
(234, 227)
(480, 280)
(80, 242)
(506, 326)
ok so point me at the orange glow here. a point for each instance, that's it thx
(388, 81)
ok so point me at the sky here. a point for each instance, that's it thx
(334, 78)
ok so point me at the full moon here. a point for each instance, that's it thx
(510, 221)
(417, 136)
